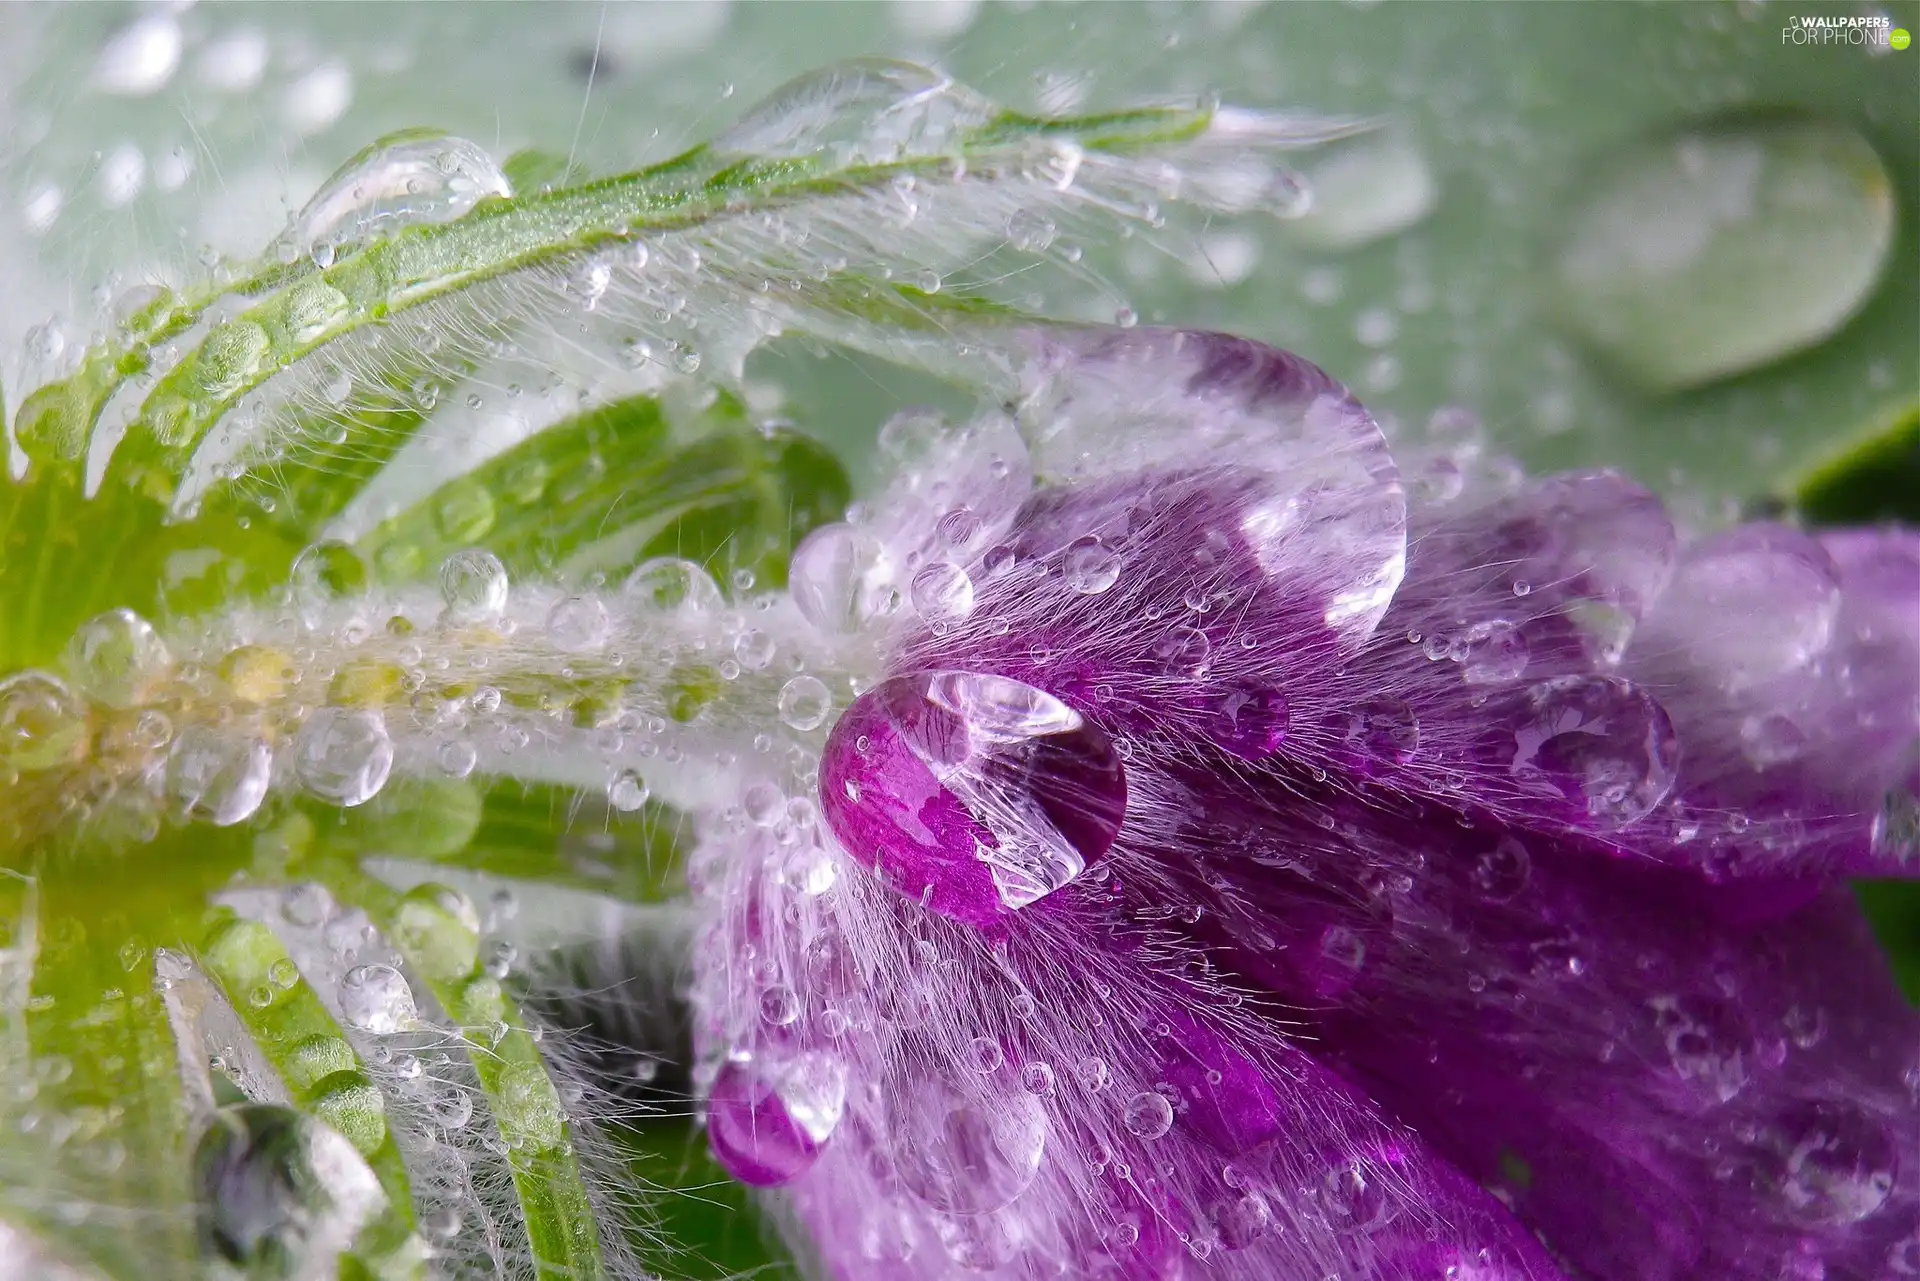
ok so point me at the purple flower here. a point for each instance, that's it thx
(1238, 871)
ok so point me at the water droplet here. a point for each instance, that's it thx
(579, 624)
(1707, 1041)
(1148, 1115)
(457, 757)
(465, 512)
(281, 1194)
(376, 999)
(310, 308)
(1315, 499)
(941, 592)
(326, 571)
(983, 793)
(218, 777)
(229, 358)
(414, 176)
(866, 111)
(1037, 1078)
(779, 1005)
(1746, 606)
(1603, 743)
(1493, 652)
(627, 792)
(1031, 231)
(1249, 721)
(1183, 651)
(343, 754)
(1502, 872)
(804, 703)
(964, 1150)
(1771, 740)
(829, 574)
(473, 584)
(755, 649)
(42, 723)
(1382, 729)
(1368, 188)
(767, 1126)
(1090, 568)
(984, 1054)
(671, 586)
(1724, 246)
(1241, 1220)
(140, 57)
(1828, 1164)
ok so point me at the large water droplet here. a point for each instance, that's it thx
(867, 110)
(1724, 246)
(115, 657)
(1828, 1164)
(964, 1150)
(343, 754)
(977, 794)
(1318, 500)
(1603, 744)
(767, 1126)
(280, 1194)
(578, 625)
(376, 999)
(1746, 606)
(473, 584)
(1089, 566)
(941, 592)
(672, 586)
(828, 578)
(217, 776)
(42, 723)
(414, 176)
(1148, 1115)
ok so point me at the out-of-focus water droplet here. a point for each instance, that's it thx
(804, 703)
(1745, 607)
(377, 999)
(963, 1149)
(578, 625)
(1604, 744)
(473, 584)
(1249, 721)
(139, 58)
(1721, 247)
(1365, 189)
(1767, 741)
(941, 592)
(779, 1005)
(1241, 1220)
(218, 776)
(42, 722)
(1382, 729)
(343, 754)
(1707, 1041)
(977, 794)
(280, 1194)
(768, 1125)
(116, 655)
(1827, 1164)
(414, 176)
(1148, 1115)
(465, 512)
(1031, 231)
(1502, 872)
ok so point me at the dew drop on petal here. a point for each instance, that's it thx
(627, 791)
(1148, 1115)
(964, 1150)
(941, 592)
(1606, 745)
(767, 1126)
(981, 793)
(1090, 567)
